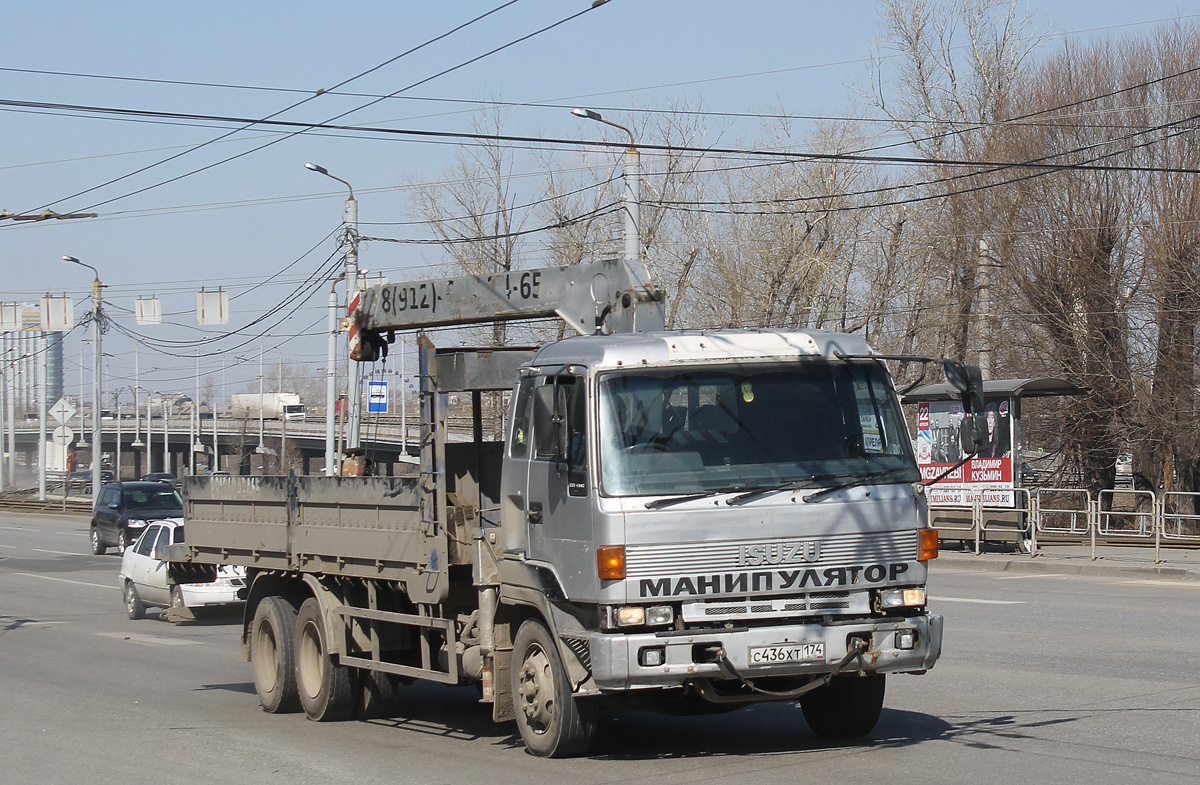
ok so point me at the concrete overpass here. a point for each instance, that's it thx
(298, 445)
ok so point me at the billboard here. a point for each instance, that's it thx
(988, 475)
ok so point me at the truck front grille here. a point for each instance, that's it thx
(644, 561)
(814, 604)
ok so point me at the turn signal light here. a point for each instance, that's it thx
(927, 544)
(610, 562)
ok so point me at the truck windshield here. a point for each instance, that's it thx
(743, 427)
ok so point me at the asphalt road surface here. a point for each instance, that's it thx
(1044, 679)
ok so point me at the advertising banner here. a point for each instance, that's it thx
(987, 476)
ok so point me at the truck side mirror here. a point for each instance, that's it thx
(968, 380)
(549, 422)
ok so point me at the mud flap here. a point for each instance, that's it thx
(502, 705)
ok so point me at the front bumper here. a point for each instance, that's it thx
(688, 654)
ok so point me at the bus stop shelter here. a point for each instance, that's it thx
(993, 478)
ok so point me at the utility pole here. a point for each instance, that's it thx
(633, 190)
(353, 293)
(97, 316)
(331, 467)
(43, 361)
(983, 273)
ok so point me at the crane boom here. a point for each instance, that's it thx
(607, 296)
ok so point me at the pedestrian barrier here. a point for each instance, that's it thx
(1107, 517)
(1180, 515)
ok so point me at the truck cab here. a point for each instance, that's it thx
(707, 508)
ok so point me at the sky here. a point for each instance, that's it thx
(188, 203)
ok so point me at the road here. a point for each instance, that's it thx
(1044, 678)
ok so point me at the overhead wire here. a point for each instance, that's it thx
(595, 4)
(294, 105)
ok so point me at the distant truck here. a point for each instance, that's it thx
(275, 406)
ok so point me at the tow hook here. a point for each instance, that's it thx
(856, 649)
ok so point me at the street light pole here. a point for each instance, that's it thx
(353, 290)
(42, 406)
(96, 354)
(331, 382)
(633, 189)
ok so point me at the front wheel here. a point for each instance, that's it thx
(133, 603)
(122, 541)
(326, 688)
(177, 596)
(273, 655)
(553, 723)
(847, 707)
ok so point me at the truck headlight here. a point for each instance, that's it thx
(891, 599)
(637, 616)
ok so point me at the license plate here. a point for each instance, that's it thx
(787, 652)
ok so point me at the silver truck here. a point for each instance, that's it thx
(673, 521)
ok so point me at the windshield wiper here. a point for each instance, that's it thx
(860, 480)
(691, 497)
(794, 485)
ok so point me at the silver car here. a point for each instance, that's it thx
(143, 576)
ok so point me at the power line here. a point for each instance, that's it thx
(250, 123)
(666, 148)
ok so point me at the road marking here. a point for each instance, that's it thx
(977, 602)
(1033, 575)
(65, 580)
(16, 528)
(60, 553)
(1148, 582)
(153, 640)
(8, 546)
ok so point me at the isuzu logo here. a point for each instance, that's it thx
(762, 553)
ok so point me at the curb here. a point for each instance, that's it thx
(1043, 564)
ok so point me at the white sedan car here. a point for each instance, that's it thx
(143, 576)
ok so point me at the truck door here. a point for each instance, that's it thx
(558, 498)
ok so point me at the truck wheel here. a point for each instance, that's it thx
(376, 695)
(553, 723)
(273, 655)
(325, 687)
(133, 603)
(98, 547)
(848, 706)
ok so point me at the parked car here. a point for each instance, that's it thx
(143, 576)
(123, 510)
(166, 477)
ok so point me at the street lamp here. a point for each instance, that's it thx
(353, 288)
(96, 353)
(633, 188)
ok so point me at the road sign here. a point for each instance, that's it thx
(63, 410)
(63, 435)
(377, 397)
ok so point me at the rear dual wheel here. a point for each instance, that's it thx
(273, 655)
(326, 689)
(294, 670)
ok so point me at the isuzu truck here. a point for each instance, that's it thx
(677, 521)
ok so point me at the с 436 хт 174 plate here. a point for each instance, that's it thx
(787, 652)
